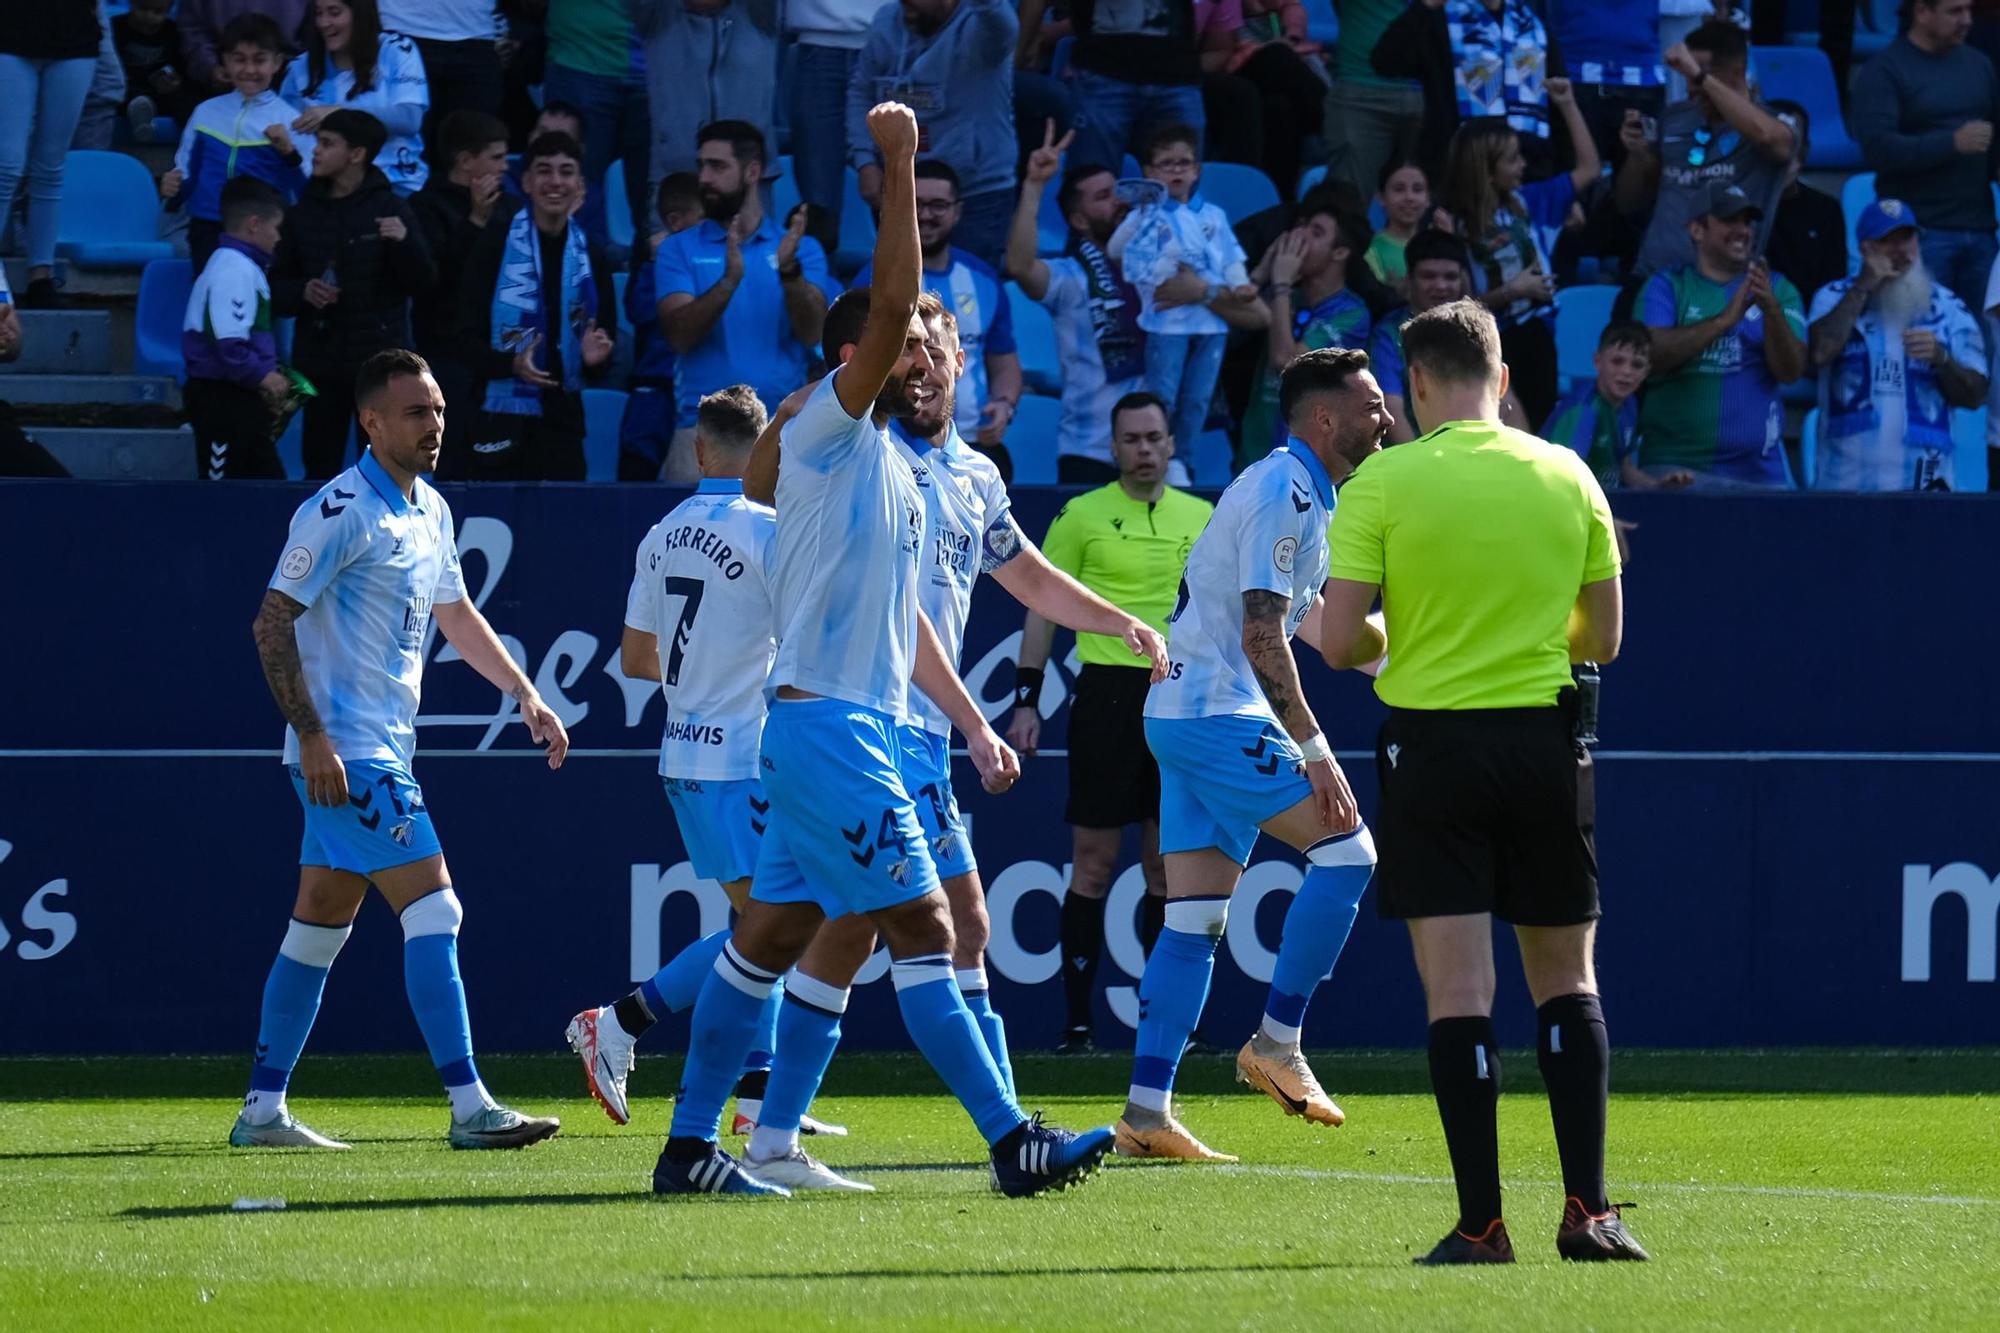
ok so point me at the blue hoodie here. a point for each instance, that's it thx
(960, 82)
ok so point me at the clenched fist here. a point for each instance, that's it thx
(893, 126)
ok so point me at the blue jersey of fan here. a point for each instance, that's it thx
(969, 531)
(700, 587)
(1268, 533)
(398, 94)
(368, 565)
(844, 572)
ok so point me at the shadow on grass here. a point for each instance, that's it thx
(1635, 1072)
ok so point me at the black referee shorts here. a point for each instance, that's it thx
(1489, 810)
(1113, 778)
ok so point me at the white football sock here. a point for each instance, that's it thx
(469, 1099)
(261, 1108)
(767, 1144)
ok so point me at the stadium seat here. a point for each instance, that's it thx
(784, 188)
(111, 212)
(1035, 340)
(1238, 190)
(1804, 75)
(1968, 446)
(1310, 177)
(1031, 439)
(156, 335)
(1581, 314)
(619, 281)
(617, 206)
(1059, 58)
(603, 417)
(857, 229)
(1322, 23)
(1808, 454)
(1212, 459)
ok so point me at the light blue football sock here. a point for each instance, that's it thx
(808, 1035)
(765, 1043)
(944, 1030)
(437, 996)
(291, 1003)
(973, 986)
(1316, 928)
(1171, 995)
(675, 986)
(726, 1021)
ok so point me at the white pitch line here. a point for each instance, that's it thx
(1681, 1187)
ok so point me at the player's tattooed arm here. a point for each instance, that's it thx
(278, 650)
(1271, 659)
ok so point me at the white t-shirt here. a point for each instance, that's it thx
(844, 579)
(969, 530)
(1268, 533)
(399, 81)
(440, 20)
(700, 587)
(368, 566)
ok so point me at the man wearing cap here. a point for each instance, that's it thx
(1726, 333)
(1900, 352)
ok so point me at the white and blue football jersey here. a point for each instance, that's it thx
(969, 530)
(844, 577)
(1268, 534)
(701, 587)
(368, 566)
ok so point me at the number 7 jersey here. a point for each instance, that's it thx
(701, 586)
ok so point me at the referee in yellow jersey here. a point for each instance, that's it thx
(1494, 556)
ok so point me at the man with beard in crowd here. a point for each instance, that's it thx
(1901, 352)
(742, 297)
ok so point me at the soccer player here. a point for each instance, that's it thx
(971, 530)
(1240, 751)
(371, 559)
(843, 834)
(704, 567)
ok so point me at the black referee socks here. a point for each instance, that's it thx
(1082, 942)
(1152, 920)
(1465, 1076)
(1575, 1055)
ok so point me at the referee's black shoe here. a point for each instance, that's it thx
(1077, 1041)
(1491, 1246)
(1589, 1237)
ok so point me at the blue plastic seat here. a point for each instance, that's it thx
(619, 281)
(111, 212)
(1238, 190)
(1322, 23)
(1310, 177)
(1059, 58)
(1035, 340)
(1581, 314)
(1804, 75)
(617, 206)
(603, 418)
(1031, 440)
(1968, 447)
(163, 299)
(1212, 459)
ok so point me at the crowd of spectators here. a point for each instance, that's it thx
(441, 173)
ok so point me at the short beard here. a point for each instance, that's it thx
(930, 422)
(1903, 298)
(894, 401)
(723, 207)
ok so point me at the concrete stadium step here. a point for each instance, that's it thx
(63, 342)
(121, 455)
(67, 390)
(89, 284)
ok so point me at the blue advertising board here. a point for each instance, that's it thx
(1797, 791)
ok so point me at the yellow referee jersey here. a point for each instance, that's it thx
(1128, 552)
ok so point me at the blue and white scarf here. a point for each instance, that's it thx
(517, 313)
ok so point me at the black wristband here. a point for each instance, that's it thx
(1027, 687)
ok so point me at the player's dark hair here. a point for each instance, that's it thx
(552, 144)
(1725, 43)
(1072, 183)
(1322, 370)
(364, 47)
(932, 169)
(1168, 135)
(848, 316)
(257, 31)
(1323, 204)
(246, 197)
(358, 128)
(1626, 333)
(679, 192)
(731, 418)
(567, 110)
(1138, 401)
(744, 139)
(471, 132)
(1454, 343)
(1396, 164)
(1430, 244)
(379, 369)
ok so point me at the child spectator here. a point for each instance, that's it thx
(235, 393)
(1159, 238)
(148, 43)
(239, 133)
(1600, 418)
(350, 62)
(650, 413)
(555, 117)
(454, 211)
(352, 258)
(1504, 224)
(1405, 193)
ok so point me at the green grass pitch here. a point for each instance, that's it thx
(1775, 1189)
